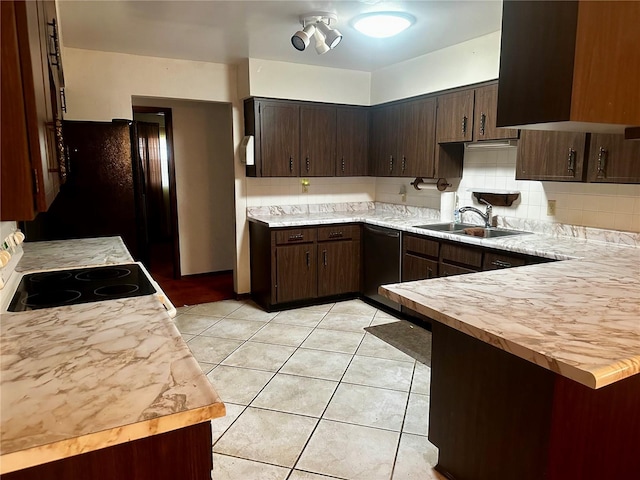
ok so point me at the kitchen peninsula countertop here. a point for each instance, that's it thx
(81, 378)
(579, 317)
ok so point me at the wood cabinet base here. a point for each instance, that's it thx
(494, 415)
(184, 454)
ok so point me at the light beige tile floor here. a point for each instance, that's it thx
(310, 394)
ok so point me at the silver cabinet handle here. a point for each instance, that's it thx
(602, 161)
(571, 161)
(501, 264)
(404, 163)
(429, 272)
(307, 161)
(308, 260)
(336, 234)
(54, 44)
(342, 164)
(324, 257)
(483, 122)
(464, 125)
(297, 236)
(291, 164)
(390, 163)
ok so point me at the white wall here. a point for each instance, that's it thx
(100, 86)
(203, 148)
(476, 60)
(268, 78)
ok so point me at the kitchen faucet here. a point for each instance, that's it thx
(487, 216)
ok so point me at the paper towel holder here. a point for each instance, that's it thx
(441, 183)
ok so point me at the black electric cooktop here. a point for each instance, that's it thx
(84, 285)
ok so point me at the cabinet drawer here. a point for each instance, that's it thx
(421, 246)
(295, 235)
(495, 261)
(471, 257)
(339, 232)
(447, 270)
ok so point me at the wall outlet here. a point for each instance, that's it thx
(305, 185)
(551, 208)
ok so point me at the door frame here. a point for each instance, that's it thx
(173, 198)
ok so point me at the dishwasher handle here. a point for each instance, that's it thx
(380, 231)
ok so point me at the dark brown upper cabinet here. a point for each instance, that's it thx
(485, 111)
(572, 65)
(318, 140)
(384, 130)
(455, 117)
(416, 152)
(352, 141)
(613, 159)
(557, 156)
(30, 168)
(275, 125)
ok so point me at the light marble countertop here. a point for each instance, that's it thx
(80, 378)
(579, 317)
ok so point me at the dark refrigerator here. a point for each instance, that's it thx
(104, 192)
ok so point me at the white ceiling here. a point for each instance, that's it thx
(227, 31)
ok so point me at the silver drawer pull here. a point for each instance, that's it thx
(298, 236)
(501, 264)
(335, 234)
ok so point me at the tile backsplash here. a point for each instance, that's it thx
(606, 206)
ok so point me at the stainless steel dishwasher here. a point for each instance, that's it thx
(382, 254)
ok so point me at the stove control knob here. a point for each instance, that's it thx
(4, 258)
(18, 237)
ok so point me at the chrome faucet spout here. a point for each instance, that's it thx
(487, 216)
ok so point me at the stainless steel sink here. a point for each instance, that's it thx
(489, 233)
(445, 227)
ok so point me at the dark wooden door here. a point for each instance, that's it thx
(384, 141)
(417, 139)
(455, 117)
(317, 140)
(613, 159)
(546, 155)
(485, 112)
(296, 272)
(338, 267)
(418, 268)
(352, 142)
(280, 139)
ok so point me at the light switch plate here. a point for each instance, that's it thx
(551, 207)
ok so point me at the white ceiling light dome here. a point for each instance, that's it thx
(383, 24)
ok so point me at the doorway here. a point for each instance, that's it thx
(154, 127)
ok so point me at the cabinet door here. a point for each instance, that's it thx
(485, 111)
(545, 155)
(296, 272)
(280, 139)
(352, 142)
(418, 268)
(383, 147)
(338, 267)
(455, 117)
(29, 160)
(317, 140)
(417, 138)
(614, 159)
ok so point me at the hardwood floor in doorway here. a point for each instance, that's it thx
(190, 289)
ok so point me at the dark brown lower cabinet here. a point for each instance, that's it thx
(338, 267)
(296, 272)
(297, 265)
(418, 268)
(494, 416)
(184, 453)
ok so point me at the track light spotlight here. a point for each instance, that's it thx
(332, 36)
(317, 25)
(301, 38)
(321, 45)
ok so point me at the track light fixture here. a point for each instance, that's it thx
(318, 26)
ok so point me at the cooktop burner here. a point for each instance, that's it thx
(85, 285)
